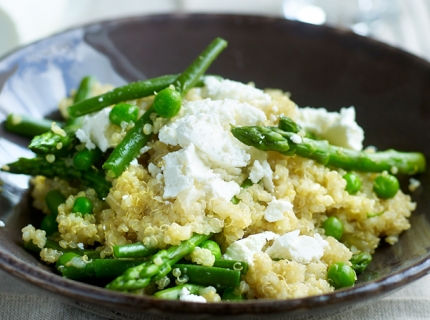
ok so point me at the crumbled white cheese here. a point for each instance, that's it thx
(185, 295)
(296, 138)
(134, 162)
(153, 170)
(339, 128)
(244, 249)
(81, 246)
(2, 224)
(184, 170)
(302, 249)
(92, 132)
(145, 149)
(262, 170)
(207, 124)
(414, 184)
(220, 89)
(277, 208)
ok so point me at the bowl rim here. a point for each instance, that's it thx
(83, 292)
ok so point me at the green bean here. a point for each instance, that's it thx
(124, 112)
(51, 244)
(230, 294)
(241, 266)
(27, 126)
(128, 92)
(49, 224)
(209, 276)
(213, 247)
(85, 158)
(134, 250)
(84, 90)
(53, 199)
(173, 293)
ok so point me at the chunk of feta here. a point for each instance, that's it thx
(207, 124)
(262, 170)
(339, 128)
(220, 89)
(92, 131)
(244, 249)
(293, 246)
(277, 208)
(183, 169)
(185, 295)
(2, 224)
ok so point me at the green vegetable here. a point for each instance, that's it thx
(341, 275)
(49, 224)
(53, 199)
(128, 92)
(167, 103)
(123, 112)
(245, 184)
(27, 126)
(173, 293)
(84, 159)
(232, 264)
(386, 186)
(158, 266)
(287, 124)
(51, 244)
(229, 294)
(353, 182)
(275, 139)
(360, 261)
(209, 276)
(333, 227)
(58, 168)
(213, 247)
(82, 205)
(133, 250)
(136, 138)
(55, 143)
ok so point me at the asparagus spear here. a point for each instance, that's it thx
(159, 265)
(27, 126)
(136, 138)
(58, 168)
(289, 143)
(54, 142)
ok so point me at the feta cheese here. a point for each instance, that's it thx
(302, 249)
(207, 124)
(220, 89)
(145, 149)
(185, 295)
(153, 170)
(339, 128)
(92, 131)
(277, 208)
(2, 224)
(244, 249)
(184, 170)
(262, 170)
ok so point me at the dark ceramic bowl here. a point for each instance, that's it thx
(321, 66)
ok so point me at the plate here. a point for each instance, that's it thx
(319, 65)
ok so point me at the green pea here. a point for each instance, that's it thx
(246, 184)
(82, 205)
(333, 227)
(386, 186)
(353, 183)
(65, 258)
(167, 103)
(123, 112)
(360, 261)
(213, 247)
(341, 275)
(49, 224)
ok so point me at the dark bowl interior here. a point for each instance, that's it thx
(320, 66)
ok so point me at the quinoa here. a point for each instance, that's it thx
(135, 210)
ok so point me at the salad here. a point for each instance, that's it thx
(204, 189)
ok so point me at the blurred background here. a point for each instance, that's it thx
(401, 23)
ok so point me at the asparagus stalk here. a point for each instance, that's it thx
(158, 266)
(27, 126)
(289, 143)
(58, 168)
(52, 142)
(174, 292)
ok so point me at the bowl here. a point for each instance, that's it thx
(319, 65)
